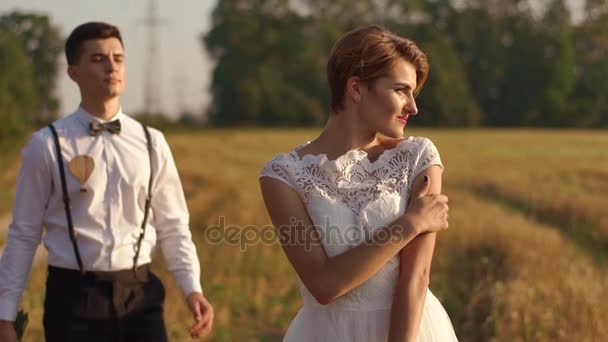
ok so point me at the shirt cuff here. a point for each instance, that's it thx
(8, 309)
(189, 285)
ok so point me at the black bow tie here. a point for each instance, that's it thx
(95, 128)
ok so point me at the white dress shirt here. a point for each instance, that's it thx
(107, 217)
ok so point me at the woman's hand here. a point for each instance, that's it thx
(427, 213)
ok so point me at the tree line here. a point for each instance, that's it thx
(30, 46)
(493, 62)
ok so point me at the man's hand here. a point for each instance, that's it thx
(203, 315)
(7, 331)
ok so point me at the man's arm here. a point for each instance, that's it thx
(171, 219)
(25, 232)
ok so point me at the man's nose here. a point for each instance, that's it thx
(111, 65)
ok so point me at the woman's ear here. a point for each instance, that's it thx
(353, 88)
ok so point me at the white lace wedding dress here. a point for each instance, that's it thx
(347, 199)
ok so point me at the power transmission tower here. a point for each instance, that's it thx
(181, 89)
(152, 60)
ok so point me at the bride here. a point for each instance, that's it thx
(356, 211)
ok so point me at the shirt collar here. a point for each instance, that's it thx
(85, 118)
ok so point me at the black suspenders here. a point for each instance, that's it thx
(66, 199)
(144, 223)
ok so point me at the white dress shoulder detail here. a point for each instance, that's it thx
(348, 199)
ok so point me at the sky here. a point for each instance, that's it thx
(185, 67)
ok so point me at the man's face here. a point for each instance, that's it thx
(100, 72)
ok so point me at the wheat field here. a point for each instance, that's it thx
(525, 258)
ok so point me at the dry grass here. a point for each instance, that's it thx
(9, 167)
(8, 175)
(507, 270)
(507, 277)
(558, 178)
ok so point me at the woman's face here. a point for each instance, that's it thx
(387, 102)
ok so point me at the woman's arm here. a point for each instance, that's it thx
(329, 278)
(416, 257)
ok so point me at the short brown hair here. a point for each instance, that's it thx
(369, 53)
(88, 31)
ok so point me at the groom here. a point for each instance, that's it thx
(107, 191)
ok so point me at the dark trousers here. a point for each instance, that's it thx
(104, 306)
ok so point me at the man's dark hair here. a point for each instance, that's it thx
(88, 31)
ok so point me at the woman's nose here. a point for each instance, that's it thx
(410, 108)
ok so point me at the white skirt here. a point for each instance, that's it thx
(322, 324)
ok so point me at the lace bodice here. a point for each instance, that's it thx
(349, 198)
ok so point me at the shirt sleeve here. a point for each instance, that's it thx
(25, 232)
(171, 220)
(428, 155)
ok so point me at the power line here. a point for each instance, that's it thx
(152, 60)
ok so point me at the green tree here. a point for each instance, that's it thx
(589, 104)
(558, 66)
(494, 62)
(446, 98)
(481, 42)
(17, 89)
(521, 68)
(43, 44)
(263, 73)
(595, 10)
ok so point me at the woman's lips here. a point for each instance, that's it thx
(403, 119)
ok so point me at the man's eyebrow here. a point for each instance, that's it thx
(101, 54)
